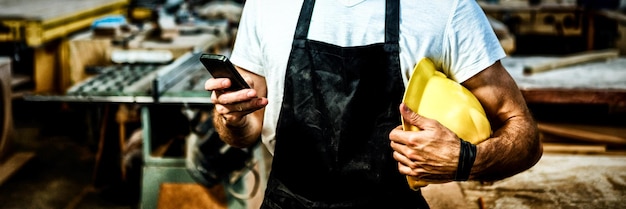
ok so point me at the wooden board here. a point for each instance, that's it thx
(99, 55)
(573, 148)
(191, 196)
(6, 118)
(587, 133)
(573, 59)
(448, 195)
(13, 164)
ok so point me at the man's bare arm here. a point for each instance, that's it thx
(514, 145)
(238, 116)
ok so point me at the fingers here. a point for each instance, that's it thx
(216, 84)
(219, 84)
(406, 165)
(429, 173)
(243, 107)
(234, 113)
(430, 153)
(413, 139)
(219, 96)
(232, 106)
(234, 97)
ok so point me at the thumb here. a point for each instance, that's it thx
(411, 117)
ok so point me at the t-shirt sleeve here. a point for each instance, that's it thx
(470, 44)
(247, 48)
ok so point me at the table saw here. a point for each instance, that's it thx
(180, 82)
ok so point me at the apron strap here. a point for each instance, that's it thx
(302, 29)
(392, 22)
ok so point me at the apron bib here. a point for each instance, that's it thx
(332, 137)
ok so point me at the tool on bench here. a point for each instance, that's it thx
(573, 59)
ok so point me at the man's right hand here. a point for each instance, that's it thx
(236, 117)
(233, 106)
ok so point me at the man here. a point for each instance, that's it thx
(327, 82)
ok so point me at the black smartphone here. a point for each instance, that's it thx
(220, 67)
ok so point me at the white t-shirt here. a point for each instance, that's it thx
(455, 34)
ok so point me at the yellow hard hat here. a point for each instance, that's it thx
(431, 94)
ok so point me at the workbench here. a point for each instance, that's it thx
(36, 22)
(44, 27)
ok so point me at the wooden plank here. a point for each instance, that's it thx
(587, 133)
(448, 195)
(17, 80)
(612, 14)
(573, 59)
(191, 196)
(46, 68)
(6, 118)
(14, 163)
(99, 55)
(573, 148)
(611, 97)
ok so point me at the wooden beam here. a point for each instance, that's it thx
(573, 59)
(616, 99)
(587, 133)
(611, 14)
(13, 164)
(573, 148)
(441, 196)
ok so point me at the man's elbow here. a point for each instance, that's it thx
(535, 150)
(532, 154)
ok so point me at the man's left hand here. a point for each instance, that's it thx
(431, 154)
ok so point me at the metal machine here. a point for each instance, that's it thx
(180, 82)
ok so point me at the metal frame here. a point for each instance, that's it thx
(157, 170)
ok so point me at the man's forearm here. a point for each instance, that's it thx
(513, 148)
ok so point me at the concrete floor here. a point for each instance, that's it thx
(62, 174)
(559, 181)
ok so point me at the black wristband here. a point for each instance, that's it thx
(467, 156)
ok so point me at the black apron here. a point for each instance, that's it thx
(332, 138)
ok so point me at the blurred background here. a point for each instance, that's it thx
(103, 105)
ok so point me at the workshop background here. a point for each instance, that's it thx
(103, 106)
